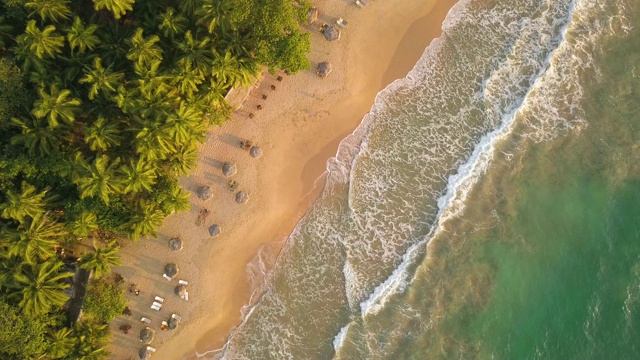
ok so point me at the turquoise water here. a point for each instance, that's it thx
(486, 208)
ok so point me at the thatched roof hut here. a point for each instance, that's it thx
(229, 169)
(171, 269)
(205, 192)
(241, 197)
(323, 69)
(331, 33)
(255, 152)
(312, 15)
(214, 230)
(175, 244)
(180, 290)
(147, 334)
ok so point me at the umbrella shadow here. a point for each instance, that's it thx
(230, 139)
(213, 162)
(217, 179)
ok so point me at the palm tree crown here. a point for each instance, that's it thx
(42, 42)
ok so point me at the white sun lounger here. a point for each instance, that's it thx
(360, 3)
(146, 320)
(159, 299)
(152, 349)
(341, 22)
(166, 277)
(186, 296)
(176, 316)
(156, 306)
(183, 282)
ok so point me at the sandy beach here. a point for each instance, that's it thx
(299, 127)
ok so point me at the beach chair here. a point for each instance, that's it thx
(156, 306)
(183, 282)
(152, 349)
(159, 299)
(360, 3)
(186, 296)
(166, 277)
(146, 320)
(176, 316)
(341, 22)
(164, 325)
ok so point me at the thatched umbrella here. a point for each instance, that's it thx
(229, 169)
(171, 269)
(205, 192)
(147, 334)
(173, 323)
(144, 354)
(241, 197)
(255, 152)
(312, 15)
(180, 290)
(214, 230)
(324, 68)
(331, 33)
(175, 244)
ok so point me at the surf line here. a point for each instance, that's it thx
(459, 185)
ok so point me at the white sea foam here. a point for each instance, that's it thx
(338, 340)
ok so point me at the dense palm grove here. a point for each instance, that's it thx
(102, 106)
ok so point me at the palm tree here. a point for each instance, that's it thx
(186, 125)
(98, 179)
(56, 105)
(35, 239)
(42, 42)
(37, 136)
(139, 175)
(175, 199)
(229, 71)
(143, 50)
(9, 267)
(23, 204)
(196, 53)
(101, 259)
(145, 220)
(85, 224)
(91, 341)
(62, 342)
(40, 287)
(54, 10)
(187, 79)
(30, 62)
(183, 160)
(102, 135)
(81, 36)
(101, 79)
(117, 7)
(189, 7)
(154, 142)
(214, 15)
(172, 24)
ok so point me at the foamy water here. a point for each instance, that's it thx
(498, 75)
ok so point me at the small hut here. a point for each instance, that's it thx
(205, 192)
(214, 230)
(229, 169)
(323, 69)
(146, 335)
(180, 290)
(255, 152)
(331, 33)
(171, 269)
(241, 197)
(175, 244)
(312, 15)
(144, 354)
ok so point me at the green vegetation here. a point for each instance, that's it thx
(105, 300)
(102, 106)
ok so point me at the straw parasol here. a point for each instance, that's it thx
(324, 68)
(255, 152)
(147, 334)
(144, 354)
(171, 269)
(241, 197)
(175, 244)
(331, 33)
(229, 169)
(214, 230)
(180, 290)
(312, 15)
(205, 192)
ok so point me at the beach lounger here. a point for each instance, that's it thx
(341, 22)
(176, 316)
(159, 299)
(152, 349)
(186, 296)
(182, 282)
(164, 325)
(156, 306)
(146, 320)
(166, 277)
(360, 3)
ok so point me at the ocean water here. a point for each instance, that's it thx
(488, 206)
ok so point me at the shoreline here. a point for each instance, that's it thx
(299, 128)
